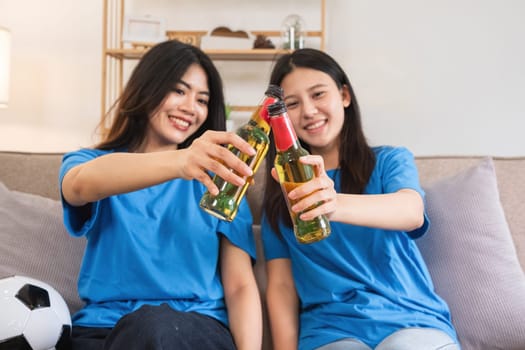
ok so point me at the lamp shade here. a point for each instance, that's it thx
(5, 43)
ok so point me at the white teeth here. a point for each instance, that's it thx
(180, 122)
(315, 125)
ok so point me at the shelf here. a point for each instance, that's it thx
(243, 108)
(273, 33)
(215, 54)
(114, 54)
(246, 55)
(131, 54)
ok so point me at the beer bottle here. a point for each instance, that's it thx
(292, 173)
(225, 204)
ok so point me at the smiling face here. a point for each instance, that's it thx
(316, 108)
(181, 113)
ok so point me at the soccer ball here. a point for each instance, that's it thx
(33, 315)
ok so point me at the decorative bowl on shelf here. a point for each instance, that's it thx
(224, 38)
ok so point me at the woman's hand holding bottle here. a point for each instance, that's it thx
(315, 197)
(207, 153)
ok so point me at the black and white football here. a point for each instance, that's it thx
(33, 315)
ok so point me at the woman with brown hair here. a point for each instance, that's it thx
(366, 285)
(158, 272)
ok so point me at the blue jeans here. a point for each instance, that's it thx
(404, 339)
(156, 328)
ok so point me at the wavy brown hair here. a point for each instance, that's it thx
(150, 82)
(356, 157)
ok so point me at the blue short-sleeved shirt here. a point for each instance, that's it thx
(362, 282)
(150, 246)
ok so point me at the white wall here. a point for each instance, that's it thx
(439, 76)
(55, 74)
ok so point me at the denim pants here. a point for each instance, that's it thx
(155, 328)
(404, 339)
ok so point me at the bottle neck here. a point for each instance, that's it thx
(261, 117)
(283, 132)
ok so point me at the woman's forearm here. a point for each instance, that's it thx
(245, 317)
(242, 297)
(402, 210)
(117, 173)
(283, 313)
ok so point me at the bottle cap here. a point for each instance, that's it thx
(274, 91)
(277, 108)
(283, 131)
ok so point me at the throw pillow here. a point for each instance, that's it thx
(472, 259)
(34, 243)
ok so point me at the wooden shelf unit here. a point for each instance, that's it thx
(114, 54)
(215, 54)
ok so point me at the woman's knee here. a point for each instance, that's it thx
(418, 339)
(345, 344)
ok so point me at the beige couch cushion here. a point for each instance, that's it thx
(35, 173)
(34, 243)
(510, 173)
(471, 257)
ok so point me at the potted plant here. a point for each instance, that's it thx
(229, 121)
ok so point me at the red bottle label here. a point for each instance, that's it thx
(283, 132)
(264, 110)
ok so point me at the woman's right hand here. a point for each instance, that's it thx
(207, 153)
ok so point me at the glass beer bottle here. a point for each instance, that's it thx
(292, 173)
(225, 204)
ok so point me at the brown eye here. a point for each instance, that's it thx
(318, 94)
(178, 91)
(292, 104)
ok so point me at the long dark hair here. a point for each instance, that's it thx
(150, 82)
(356, 157)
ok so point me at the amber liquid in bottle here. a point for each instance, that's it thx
(292, 173)
(226, 204)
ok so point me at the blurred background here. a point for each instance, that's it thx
(438, 76)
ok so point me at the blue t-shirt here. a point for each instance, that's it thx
(151, 246)
(362, 282)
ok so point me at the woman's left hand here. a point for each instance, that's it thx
(318, 191)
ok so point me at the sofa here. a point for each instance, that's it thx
(474, 249)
